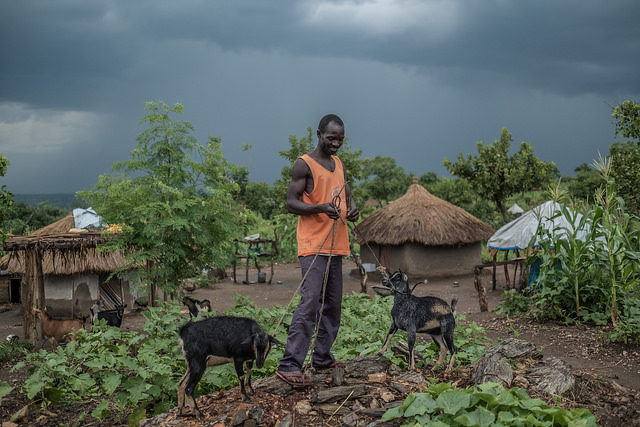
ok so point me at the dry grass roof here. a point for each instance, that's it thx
(63, 253)
(420, 217)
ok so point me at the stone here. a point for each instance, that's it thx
(287, 421)
(350, 420)
(378, 377)
(493, 368)
(412, 377)
(554, 377)
(303, 407)
(512, 348)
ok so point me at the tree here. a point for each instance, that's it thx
(383, 180)
(6, 200)
(585, 183)
(495, 175)
(173, 199)
(625, 156)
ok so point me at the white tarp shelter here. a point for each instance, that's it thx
(86, 218)
(518, 233)
(515, 209)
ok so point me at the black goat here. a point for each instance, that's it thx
(112, 317)
(414, 314)
(196, 306)
(216, 341)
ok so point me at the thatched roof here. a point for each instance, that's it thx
(63, 252)
(420, 217)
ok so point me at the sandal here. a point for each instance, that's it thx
(334, 364)
(294, 379)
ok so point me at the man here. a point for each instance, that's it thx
(319, 195)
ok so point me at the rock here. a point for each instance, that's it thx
(411, 377)
(512, 348)
(350, 420)
(20, 414)
(286, 421)
(272, 385)
(303, 407)
(387, 396)
(554, 377)
(9, 424)
(492, 368)
(378, 377)
(361, 366)
(247, 415)
(335, 394)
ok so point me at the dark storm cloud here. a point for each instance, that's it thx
(417, 80)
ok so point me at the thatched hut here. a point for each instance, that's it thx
(423, 235)
(74, 272)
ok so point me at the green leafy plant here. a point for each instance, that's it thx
(512, 302)
(485, 404)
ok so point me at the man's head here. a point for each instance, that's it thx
(322, 126)
(330, 134)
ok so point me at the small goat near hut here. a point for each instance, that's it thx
(112, 317)
(414, 314)
(196, 306)
(216, 341)
(55, 330)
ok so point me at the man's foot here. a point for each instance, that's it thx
(294, 378)
(334, 364)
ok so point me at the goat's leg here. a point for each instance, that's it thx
(392, 331)
(241, 379)
(448, 339)
(196, 370)
(443, 349)
(249, 365)
(181, 386)
(411, 341)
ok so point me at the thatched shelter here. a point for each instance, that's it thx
(423, 235)
(61, 262)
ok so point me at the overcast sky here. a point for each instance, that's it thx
(415, 80)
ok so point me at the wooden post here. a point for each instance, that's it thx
(506, 270)
(482, 297)
(34, 297)
(494, 270)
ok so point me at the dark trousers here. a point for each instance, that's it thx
(306, 315)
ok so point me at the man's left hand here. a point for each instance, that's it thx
(353, 214)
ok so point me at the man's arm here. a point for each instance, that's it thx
(299, 174)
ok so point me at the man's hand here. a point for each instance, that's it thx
(353, 214)
(331, 210)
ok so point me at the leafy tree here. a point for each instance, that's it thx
(460, 193)
(383, 181)
(585, 183)
(259, 197)
(625, 156)
(173, 199)
(6, 200)
(495, 175)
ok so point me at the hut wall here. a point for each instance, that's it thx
(5, 283)
(59, 294)
(428, 261)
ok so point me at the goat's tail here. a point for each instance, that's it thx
(453, 305)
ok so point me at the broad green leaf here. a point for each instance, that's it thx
(136, 416)
(422, 404)
(110, 382)
(5, 389)
(392, 414)
(101, 409)
(479, 417)
(452, 401)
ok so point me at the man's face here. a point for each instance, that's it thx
(331, 139)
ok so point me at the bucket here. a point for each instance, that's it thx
(262, 277)
(368, 267)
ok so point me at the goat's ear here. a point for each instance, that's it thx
(274, 340)
(405, 278)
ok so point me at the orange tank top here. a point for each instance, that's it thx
(312, 229)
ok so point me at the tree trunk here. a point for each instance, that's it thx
(482, 297)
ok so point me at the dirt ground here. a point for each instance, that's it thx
(582, 347)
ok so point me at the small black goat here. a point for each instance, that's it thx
(112, 317)
(414, 314)
(196, 306)
(216, 341)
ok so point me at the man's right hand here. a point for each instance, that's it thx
(331, 210)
